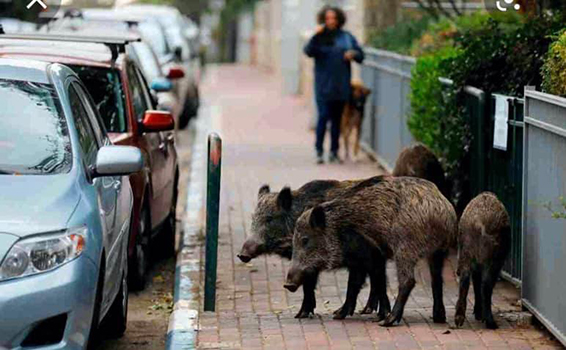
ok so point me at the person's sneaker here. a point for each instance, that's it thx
(334, 159)
(319, 159)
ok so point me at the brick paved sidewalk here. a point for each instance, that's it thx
(266, 141)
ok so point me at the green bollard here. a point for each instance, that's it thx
(212, 217)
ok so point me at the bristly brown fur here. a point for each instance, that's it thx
(484, 243)
(407, 219)
(273, 223)
(419, 161)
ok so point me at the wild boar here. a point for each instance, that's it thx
(273, 225)
(419, 161)
(405, 218)
(483, 245)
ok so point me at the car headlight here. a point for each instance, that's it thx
(38, 254)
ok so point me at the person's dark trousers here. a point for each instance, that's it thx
(329, 111)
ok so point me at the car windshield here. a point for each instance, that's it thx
(34, 136)
(105, 87)
(148, 61)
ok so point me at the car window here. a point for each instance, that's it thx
(34, 135)
(106, 88)
(148, 61)
(87, 138)
(153, 33)
(94, 117)
(139, 100)
(145, 89)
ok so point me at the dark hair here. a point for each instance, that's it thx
(340, 15)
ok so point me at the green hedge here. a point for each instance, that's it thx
(554, 69)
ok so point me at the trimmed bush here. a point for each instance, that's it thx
(554, 69)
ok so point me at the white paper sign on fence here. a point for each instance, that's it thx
(501, 128)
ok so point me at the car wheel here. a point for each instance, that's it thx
(170, 228)
(116, 320)
(140, 259)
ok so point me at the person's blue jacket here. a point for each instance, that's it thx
(332, 72)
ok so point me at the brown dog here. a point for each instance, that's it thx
(353, 116)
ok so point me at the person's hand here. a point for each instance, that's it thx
(349, 55)
(319, 29)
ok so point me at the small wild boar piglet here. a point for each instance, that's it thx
(484, 243)
(273, 224)
(419, 161)
(405, 218)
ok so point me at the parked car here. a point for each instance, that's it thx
(65, 212)
(172, 50)
(124, 102)
(176, 34)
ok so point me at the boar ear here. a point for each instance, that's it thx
(285, 199)
(263, 190)
(318, 218)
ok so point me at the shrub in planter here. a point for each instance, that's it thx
(554, 68)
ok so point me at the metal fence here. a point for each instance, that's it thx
(385, 131)
(543, 288)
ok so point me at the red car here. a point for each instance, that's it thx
(126, 106)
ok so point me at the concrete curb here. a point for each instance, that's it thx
(183, 322)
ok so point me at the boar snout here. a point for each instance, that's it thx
(294, 279)
(249, 250)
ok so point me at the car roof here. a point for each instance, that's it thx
(24, 70)
(94, 53)
(62, 52)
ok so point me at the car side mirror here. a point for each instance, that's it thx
(118, 161)
(157, 121)
(176, 73)
(161, 85)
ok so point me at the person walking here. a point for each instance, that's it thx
(333, 50)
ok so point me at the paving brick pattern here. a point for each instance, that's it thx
(266, 140)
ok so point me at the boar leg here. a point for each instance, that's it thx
(462, 297)
(356, 280)
(309, 299)
(436, 263)
(490, 276)
(378, 292)
(478, 305)
(406, 278)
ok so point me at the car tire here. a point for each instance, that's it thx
(170, 228)
(93, 339)
(140, 260)
(115, 322)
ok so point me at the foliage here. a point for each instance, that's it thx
(399, 38)
(561, 212)
(517, 49)
(554, 69)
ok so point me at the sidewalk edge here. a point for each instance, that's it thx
(183, 322)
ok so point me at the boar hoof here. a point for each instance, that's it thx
(368, 310)
(491, 324)
(459, 320)
(390, 320)
(304, 314)
(439, 318)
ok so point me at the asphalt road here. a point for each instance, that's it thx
(149, 310)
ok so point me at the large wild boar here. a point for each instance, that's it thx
(419, 161)
(406, 218)
(484, 243)
(273, 225)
